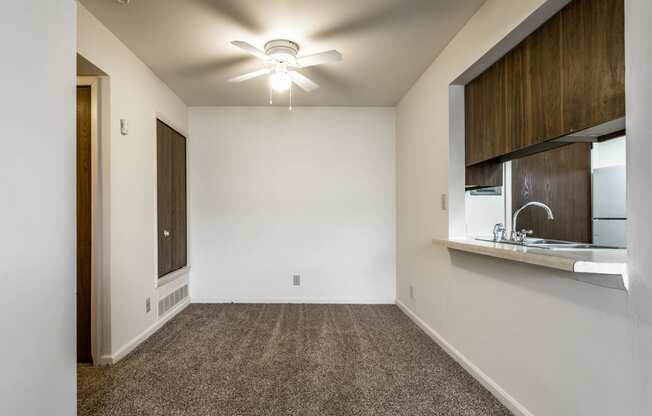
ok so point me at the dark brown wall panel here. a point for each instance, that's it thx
(560, 178)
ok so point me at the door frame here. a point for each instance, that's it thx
(98, 312)
(172, 276)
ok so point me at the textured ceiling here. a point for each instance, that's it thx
(387, 44)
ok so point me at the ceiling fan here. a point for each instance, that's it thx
(282, 62)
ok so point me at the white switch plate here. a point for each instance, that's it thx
(124, 126)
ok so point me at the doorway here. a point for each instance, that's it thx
(92, 307)
(84, 226)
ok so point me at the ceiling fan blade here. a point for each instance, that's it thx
(319, 58)
(251, 75)
(302, 81)
(251, 49)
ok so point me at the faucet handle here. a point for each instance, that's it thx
(520, 236)
(499, 232)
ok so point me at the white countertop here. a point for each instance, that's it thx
(603, 267)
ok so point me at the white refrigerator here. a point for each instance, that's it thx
(609, 206)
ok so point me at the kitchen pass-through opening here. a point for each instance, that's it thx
(583, 184)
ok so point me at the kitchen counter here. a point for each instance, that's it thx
(602, 267)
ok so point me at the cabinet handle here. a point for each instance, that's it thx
(166, 233)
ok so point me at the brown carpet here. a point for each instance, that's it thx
(238, 359)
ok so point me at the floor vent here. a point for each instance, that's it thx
(171, 300)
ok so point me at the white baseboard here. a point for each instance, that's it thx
(135, 342)
(507, 400)
(296, 300)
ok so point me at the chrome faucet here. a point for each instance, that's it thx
(519, 236)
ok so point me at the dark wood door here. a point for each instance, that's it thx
(84, 225)
(593, 62)
(164, 197)
(178, 203)
(171, 188)
(560, 178)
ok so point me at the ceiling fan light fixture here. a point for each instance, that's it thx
(282, 50)
(282, 64)
(280, 81)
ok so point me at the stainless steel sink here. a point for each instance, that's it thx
(550, 244)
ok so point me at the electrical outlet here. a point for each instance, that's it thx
(148, 305)
(444, 202)
(411, 292)
(296, 280)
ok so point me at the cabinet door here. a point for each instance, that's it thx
(164, 196)
(542, 83)
(178, 202)
(485, 115)
(472, 122)
(485, 174)
(515, 99)
(593, 63)
(171, 188)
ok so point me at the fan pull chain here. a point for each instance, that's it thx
(290, 97)
(271, 94)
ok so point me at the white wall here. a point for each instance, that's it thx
(638, 64)
(483, 212)
(552, 345)
(129, 176)
(275, 193)
(37, 207)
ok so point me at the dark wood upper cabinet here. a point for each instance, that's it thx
(486, 127)
(542, 85)
(171, 199)
(485, 174)
(593, 63)
(566, 76)
(515, 96)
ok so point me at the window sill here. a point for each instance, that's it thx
(172, 276)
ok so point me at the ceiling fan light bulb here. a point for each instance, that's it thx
(282, 57)
(280, 81)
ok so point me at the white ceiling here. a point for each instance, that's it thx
(387, 44)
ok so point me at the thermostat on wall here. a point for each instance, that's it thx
(124, 127)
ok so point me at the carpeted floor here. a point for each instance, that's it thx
(238, 359)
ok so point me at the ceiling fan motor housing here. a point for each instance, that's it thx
(282, 50)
